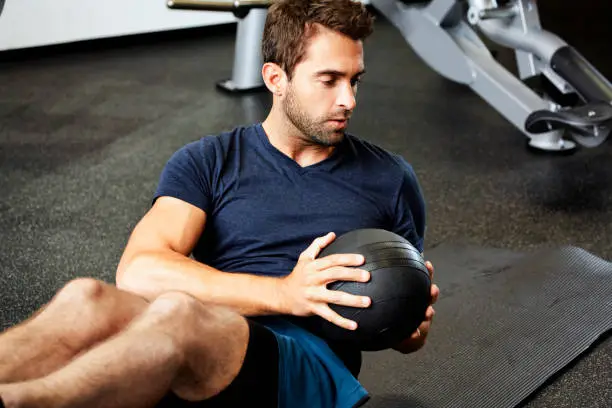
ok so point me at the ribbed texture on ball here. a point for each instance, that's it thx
(399, 288)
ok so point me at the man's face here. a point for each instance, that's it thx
(320, 97)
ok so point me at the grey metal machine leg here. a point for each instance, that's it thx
(246, 71)
(248, 60)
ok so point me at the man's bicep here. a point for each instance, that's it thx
(182, 198)
(170, 224)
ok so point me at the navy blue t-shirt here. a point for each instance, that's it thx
(264, 209)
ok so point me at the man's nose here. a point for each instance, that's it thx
(346, 97)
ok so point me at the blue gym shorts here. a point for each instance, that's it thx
(285, 367)
(310, 373)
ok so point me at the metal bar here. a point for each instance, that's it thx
(498, 12)
(438, 10)
(206, 5)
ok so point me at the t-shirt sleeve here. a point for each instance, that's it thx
(409, 208)
(188, 175)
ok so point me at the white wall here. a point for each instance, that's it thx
(28, 23)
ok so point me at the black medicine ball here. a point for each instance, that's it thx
(399, 287)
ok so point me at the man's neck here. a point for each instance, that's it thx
(286, 138)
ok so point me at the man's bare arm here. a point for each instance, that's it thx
(156, 260)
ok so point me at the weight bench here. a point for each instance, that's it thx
(444, 33)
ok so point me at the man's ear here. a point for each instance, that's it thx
(274, 77)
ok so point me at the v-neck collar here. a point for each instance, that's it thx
(323, 165)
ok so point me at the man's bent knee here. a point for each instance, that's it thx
(92, 310)
(175, 302)
(213, 340)
(82, 290)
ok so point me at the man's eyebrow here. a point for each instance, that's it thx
(333, 72)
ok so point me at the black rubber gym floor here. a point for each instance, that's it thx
(85, 131)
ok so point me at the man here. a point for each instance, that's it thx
(253, 206)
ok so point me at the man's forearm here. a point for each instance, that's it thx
(151, 274)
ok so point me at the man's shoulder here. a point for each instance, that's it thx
(220, 142)
(230, 136)
(378, 156)
(237, 133)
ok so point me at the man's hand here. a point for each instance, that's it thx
(418, 338)
(305, 292)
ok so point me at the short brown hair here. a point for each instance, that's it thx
(291, 23)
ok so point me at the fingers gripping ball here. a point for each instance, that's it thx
(399, 288)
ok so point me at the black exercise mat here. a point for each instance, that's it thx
(505, 323)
